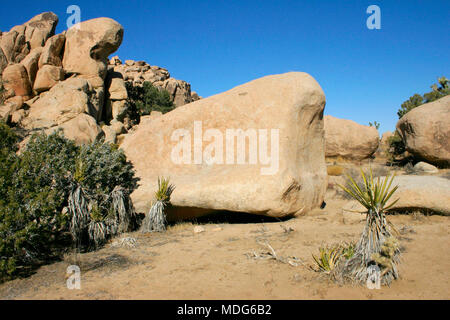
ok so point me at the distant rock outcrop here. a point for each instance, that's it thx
(138, 72)
(425, 130)
(66, 81)
(347, 139)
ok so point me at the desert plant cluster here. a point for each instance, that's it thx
(55, 192)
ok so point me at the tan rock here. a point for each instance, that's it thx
(52, 52)
(31, 63)
(15, 78)
(426, 132)
(3, 61)
(425, 167)
(65, 101)
(14, 46)
(47, 77)
(110, 134)
(83, 129)
(349, 140)
(17, 116)
(117, 89)
(286, 109)
(89, 44)
(40, 28)
(417, 192)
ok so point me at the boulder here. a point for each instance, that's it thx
(117, 89)
(31, 63)
(349, 140)
(40, 28)
(13, 45)
(425, 167)
(89, 44)
(64, 102)
(196, 146)
(52, 52)
(15, 78)
(83, 129)
(417, 192)
(425, 131)
(47, 77)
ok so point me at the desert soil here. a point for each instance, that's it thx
(218, 263)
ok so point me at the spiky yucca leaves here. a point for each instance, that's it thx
(374, 195)
(155, 221)
(328, 258)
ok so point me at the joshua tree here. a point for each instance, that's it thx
(376, 246)
(155, 221)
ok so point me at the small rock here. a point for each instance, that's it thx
(199, 229)
(425, 167)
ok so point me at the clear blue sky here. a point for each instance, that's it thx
(218, 44)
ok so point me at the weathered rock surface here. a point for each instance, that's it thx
(286, 109)
(52, 52)
(349, 140)
(15, 79)
(47, 77)
(31, 63)
(417, 192)
(426, 132)
(62, 103)
(89, 44)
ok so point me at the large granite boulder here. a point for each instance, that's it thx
(347, 139)
(257, 148)
(89, 44)
(425, 131)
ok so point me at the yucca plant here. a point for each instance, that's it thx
(374, 195)
(328, 258)
(155, 220)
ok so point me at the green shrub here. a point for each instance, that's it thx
(35, 188)
(439, 90)
(143, 100)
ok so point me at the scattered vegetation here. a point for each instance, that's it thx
(47, 191)
(2, 92)
(329, 257)
(143, 100)
(376, 243)
(439, 90)
(156, 221)
(375, 124)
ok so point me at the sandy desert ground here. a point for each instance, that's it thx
(218, 263)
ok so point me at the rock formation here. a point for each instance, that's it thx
(425, 131)
(347, 139)
(138, 72)
(257, 148)
(66, 80)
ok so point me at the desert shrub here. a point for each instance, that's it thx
(375, 124)
(330, 256)
(439, 90)
(143, 100)
(377, 244)
(2, 92)
(99, 201)
(396, 147)
(155, 220)
(36, 187)
(32, 224)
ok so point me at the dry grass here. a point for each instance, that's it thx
(335, 170)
